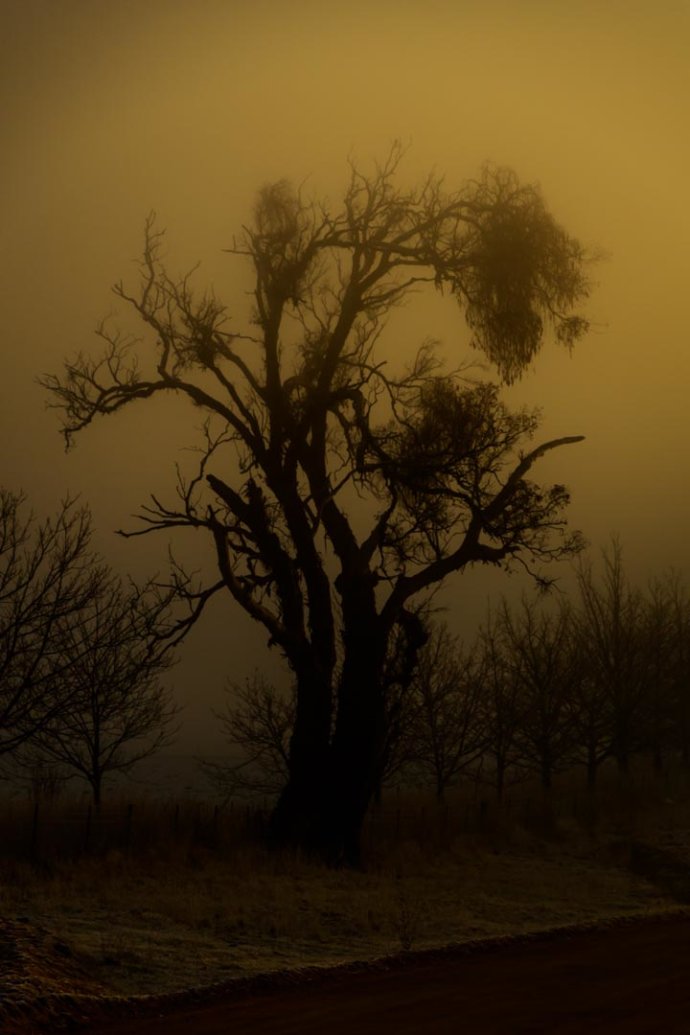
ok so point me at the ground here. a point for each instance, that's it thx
(618, 979)
(142, 929)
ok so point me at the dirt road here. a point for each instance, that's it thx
(633, 978)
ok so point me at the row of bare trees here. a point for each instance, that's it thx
(82, 651)
(547, 685)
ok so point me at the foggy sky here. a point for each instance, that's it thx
(110, 110)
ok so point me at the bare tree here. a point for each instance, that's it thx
(119, 712)
(656, 712)
(611, 621)
(257, 722)
(305, 419)
(502, 705)
(590, 711)
(48, 577)
(679, 663)
(664, 719)
(539, 653)
(449, 736)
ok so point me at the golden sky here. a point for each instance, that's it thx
(109, 110)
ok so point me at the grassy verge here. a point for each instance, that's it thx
(187, 914)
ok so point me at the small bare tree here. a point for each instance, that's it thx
(611, 625)
(539, 654)
(502, 704)
(655, 734)
(119, 712)
(257, 722)
(590, 712)
(449, 737)
(48, 578)
(679, 662)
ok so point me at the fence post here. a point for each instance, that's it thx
(87, 829)
(128, 827)
(34, 831)
(371, 833)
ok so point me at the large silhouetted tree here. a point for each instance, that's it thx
(337, 485)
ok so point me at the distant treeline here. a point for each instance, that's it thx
(547, 685)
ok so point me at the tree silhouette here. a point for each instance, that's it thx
(502, 705)
(611, 621)
(48, 576)
(338, 489)
(117, 711)
(679, 662)
(448, 687)
(257, 722)
(539, 649)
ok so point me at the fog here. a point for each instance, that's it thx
(111, 110)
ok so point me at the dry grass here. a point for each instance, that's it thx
(183, 915)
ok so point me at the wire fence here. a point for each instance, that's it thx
(42, 829)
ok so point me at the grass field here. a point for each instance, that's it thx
(191, 898)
